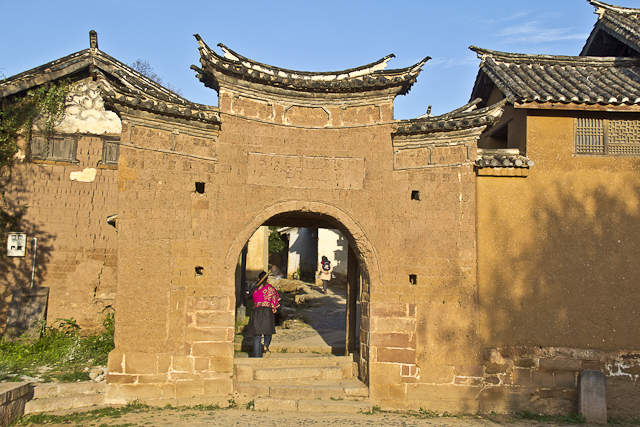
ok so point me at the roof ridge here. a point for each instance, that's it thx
(373, 67)
(606, 6)
(577, 60)
(241, 58)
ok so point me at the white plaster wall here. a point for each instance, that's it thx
(333, 245)
(302, 250)
(84, 112)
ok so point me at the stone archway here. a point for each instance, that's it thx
(361, 251)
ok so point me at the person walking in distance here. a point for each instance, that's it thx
(326, 270)
(262, 321)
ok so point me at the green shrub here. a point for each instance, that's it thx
(61, 347)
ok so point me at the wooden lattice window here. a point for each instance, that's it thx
(613, 134)
(110, 152)
(60, 149)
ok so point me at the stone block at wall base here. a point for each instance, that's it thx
(13, 398)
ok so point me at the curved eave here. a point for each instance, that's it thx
(120, 84)
(48, 72)
(365, 78)
(602, 6)
(463, 118)
(621, 29)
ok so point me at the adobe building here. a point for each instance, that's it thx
(493, 246)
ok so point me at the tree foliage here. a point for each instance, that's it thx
(144, 68)
(16, 119)
(276, 245)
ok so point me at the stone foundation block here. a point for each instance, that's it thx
(13, 398)
(115, 362)
(268, 404)
(542, 379)
(182, 363)
(121, 379)
(251, 389)
(393, 355)
(221, 364)
(140, 363)
(139, 391)
(565, 379)
(218, 387)
(550, 364)
(384, 373)
(189, 388)
(243, 373)
(522, 377)
(445, 392)
(438, 374)
(204, 349)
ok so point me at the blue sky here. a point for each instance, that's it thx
(326, 35)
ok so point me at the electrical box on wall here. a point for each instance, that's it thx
(16, 244)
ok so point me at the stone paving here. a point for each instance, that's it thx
(324, 325)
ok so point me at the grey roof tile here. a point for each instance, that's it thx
(622, 23)
(120, 84)
(368, 77)
(566, 79)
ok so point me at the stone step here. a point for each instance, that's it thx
(295, 359)
(307, 373)
(45, 390)
(312, 406)
(56, 396)
(295, 368)
(344, 389)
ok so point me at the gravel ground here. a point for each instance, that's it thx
(241, 417)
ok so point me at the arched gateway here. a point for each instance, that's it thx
(195, 182)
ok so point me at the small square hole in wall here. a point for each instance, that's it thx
(200, 187)
(199, 271)
(415, 195)
(413, 279)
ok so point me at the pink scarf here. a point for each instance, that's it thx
(266, 296)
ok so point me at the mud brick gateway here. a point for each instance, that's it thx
(487, 283)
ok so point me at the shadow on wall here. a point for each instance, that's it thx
(16, 272)
(569, 271)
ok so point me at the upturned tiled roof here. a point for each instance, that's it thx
(621, 23)
(465, 117)
(563, 79)
(365, 78)
(120, 84)
(502, 158)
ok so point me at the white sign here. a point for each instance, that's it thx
(16, 244)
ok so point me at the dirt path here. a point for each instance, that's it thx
(240, 417)
(316, 322)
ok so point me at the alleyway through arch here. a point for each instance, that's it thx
(310, 322)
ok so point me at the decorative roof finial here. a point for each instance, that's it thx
(93, 39)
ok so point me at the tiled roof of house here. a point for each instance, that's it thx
(120, 84)
(562, 79)
(365, 78)
(465, 117)
(622, 23)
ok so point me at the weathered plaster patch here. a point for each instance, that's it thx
(20, 155)
(87, 175)
(85, 113)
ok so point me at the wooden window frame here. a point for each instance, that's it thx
(608, 146)
(50, 156)
(110, 141)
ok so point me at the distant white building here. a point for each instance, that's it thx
(307, 246)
